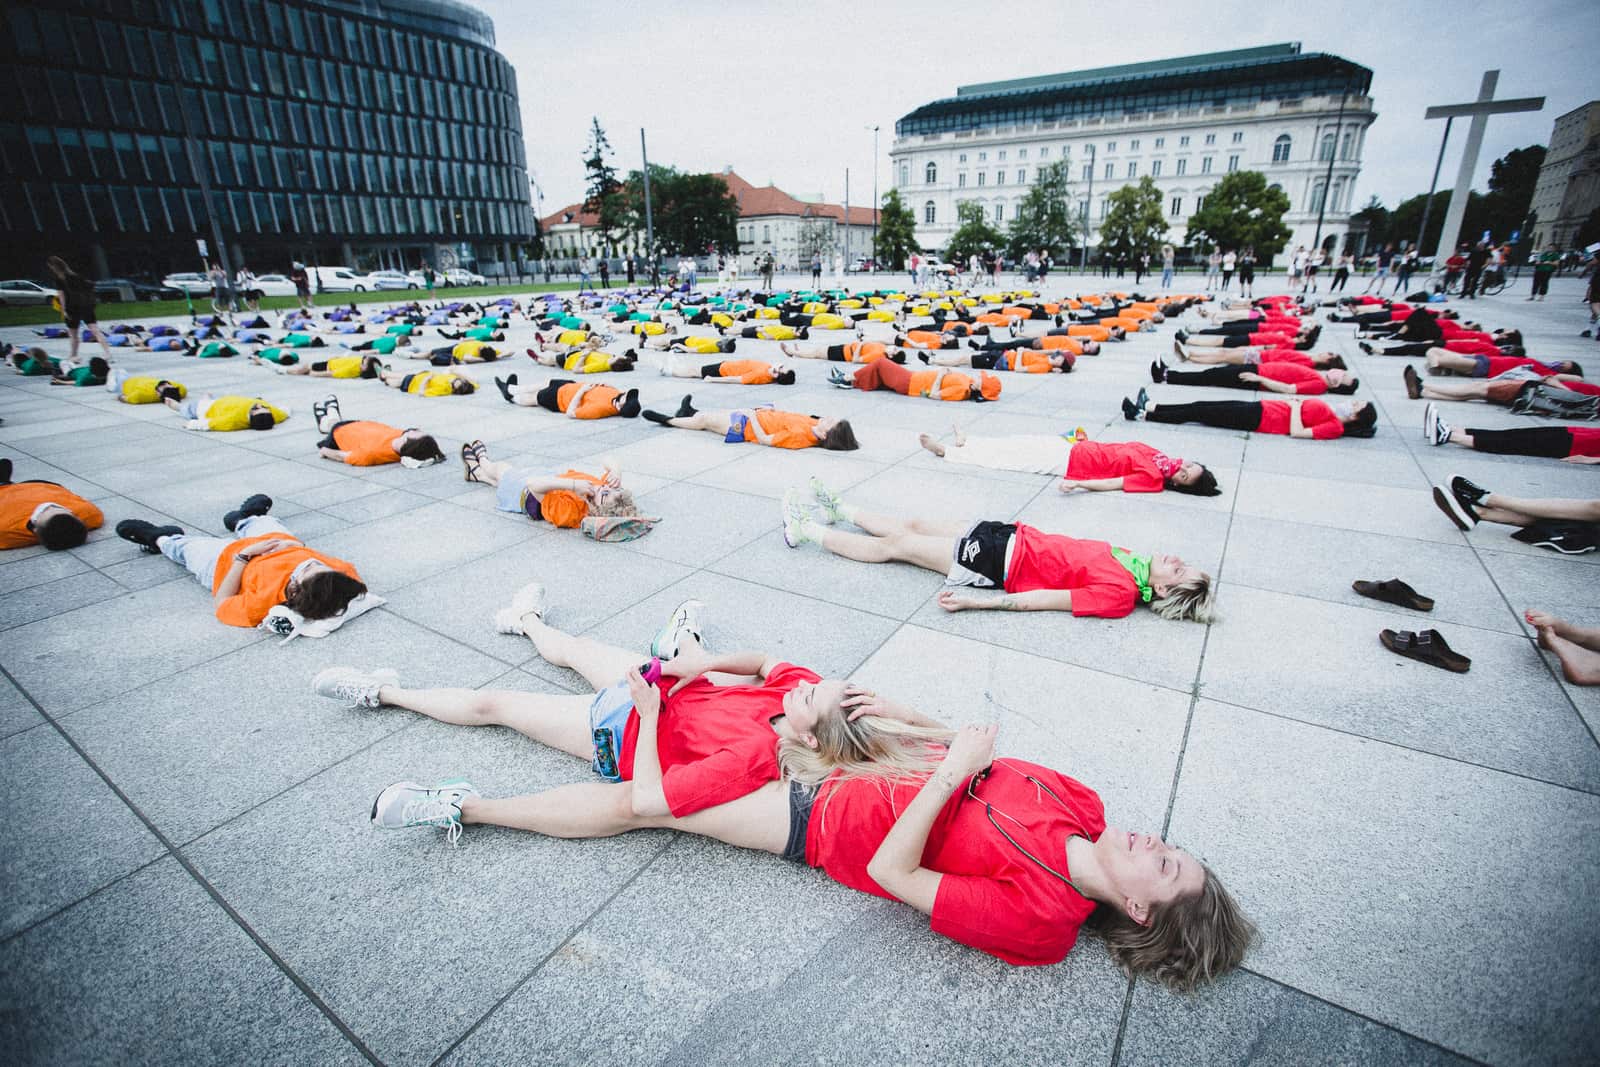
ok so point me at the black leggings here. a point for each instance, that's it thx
(1226, 376)
(1541, 282)
(1551, 442)
(1411, 348)
(1226, 329)
(1006, 346)
(1223, 414)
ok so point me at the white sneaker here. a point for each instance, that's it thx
(795, 517)
(684, 625)
(529, 600)
(407, 804)
(830, 502)
(1435, 429)
(353, 688)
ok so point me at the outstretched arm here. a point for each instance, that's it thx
(1032, 600)
(334, 454)
(1093, 485)
(694, 661)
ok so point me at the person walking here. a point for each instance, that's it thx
(605, 273)
(1342, 275)
(1247, 273)
(1473, 279)
(627, 264)
(733, 269)
(1402, 274)
(690, 272)
(1213, 269)
(1385, 259)
(816, 270)
(1545, 262)
(75, 295)
(1230, 259)
(428, 277)
(583, 275)
(766, 271)
(302, 285)
(1169, 257)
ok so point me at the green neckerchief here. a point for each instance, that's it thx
(1139, 567)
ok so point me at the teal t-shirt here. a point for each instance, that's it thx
(85, 376)
(402, 330)
(479, 333)
(281, 356)
(216, 350)
(385, 345)
(568, 322)
(34, 367)
(297, 340)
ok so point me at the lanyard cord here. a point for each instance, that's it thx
(972, 786)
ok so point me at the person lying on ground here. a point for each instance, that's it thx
(586, 360)
(764, 426)
(225, 414)
(858, 352)
(1037, 571)
(370, 444)
(590, 400)
(45, 513)
(1301, 341)
(140, 389)
(428, 382)
(756, 746)
(1502, 388)
(935, 383)
(1095, 466)
(1294, 418)
(1572, 444)
(262, 566)
(1255, 355)
(1442, 361)
(563, 500)
(1266, 377)
(336, 367)
(735, 371)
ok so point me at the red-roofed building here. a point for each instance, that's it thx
(770, 220)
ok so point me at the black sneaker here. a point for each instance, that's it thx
(505, 389)
(1130, 410)
(1458, 512)
(685, 407)
(1413, 383)
(1158, 371)
(656, 417)
(259, 504)
(5, 471)
(146, 534)
(1142, 401)
(630, 404)
(1466, 492)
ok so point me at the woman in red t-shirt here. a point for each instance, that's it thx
(1292, 418)
(1258, 354)
(1574, 444)
(1270, 376)
(1443, 361)
(1097, 466)
(1036, 570)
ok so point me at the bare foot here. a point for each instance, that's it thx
(926, 441)
(1545, 633)
(960, 438)
(789, 349)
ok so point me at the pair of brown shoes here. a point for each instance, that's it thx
(1427, 647)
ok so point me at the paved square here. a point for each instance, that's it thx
(189, 874)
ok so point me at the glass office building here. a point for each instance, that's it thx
(370, 133)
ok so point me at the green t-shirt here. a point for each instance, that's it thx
(281, 356)
(217, 350)
(297, 340)
(479, 333)
(401, 330)
(568, 322)
(85, 376)
(489, 320)
(35, 367)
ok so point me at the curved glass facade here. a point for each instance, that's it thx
(327, 130)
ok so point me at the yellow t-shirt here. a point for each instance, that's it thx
(587, 362)
(345, 366)
(143, 390)
(433, 383)
(468, 351)
(228, 413)
(704, 346)
(571, 337)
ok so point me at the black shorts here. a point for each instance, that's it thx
(328, 441)
(405, 383)
(836, 353)
(979, 559)
(320, 365)
(79, 316)
(801, 797)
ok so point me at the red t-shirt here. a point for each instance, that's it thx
(1100, 585)
(1285, 355)
(1585, 440)
(1133, 462)
(1271, 339)
(1471, 348)
(1314, 416)
(715, 742)
(1587, 388)
(1501, 364)
(992, 897)
(1303, 378)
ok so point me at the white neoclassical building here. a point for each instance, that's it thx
(1299, 118)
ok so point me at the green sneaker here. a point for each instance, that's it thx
(684, 625)
(831, 503)
(795, 517)
(407, 804)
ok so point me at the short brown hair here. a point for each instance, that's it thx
(841, 438)
(1191, 940)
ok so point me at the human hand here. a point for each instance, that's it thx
(950, 600)
(859, 701)
(261, 548)
(646, 697)
(1067, 485)
(1581, 459)
(1249, 376)
(690, 663)
(610, 476)
(972, 750)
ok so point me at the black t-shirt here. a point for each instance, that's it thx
(299, 278)
(79, 291)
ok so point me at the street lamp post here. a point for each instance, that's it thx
(1088, 205)
(875, 204)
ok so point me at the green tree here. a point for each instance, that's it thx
(815, 237)
(1134, 223)
(973, 233)
(600, 195)
(897, 232)
(692, 213)
(1242, 211)
(1407, 217)
(1512, 178)
(1045, 219)
(1376, 217)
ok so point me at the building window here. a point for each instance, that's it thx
(1280, 148)
(1133, 145)
(905, 174)
(930, 213)
(1205, 165)
(1002, 155)
(1133, 169)
(999, 212)
(982, 175)
(1066, 150)
(1183, 142)
(1044, 153)
(1238, 137)
(1318, 195)
(930, 174)
(962, 158)
(1177, 207)
(1109, 168)
(1183, 165)
(1233, 164)
(1088, 172)
(766, 233)
(1038, 174)
(982, 156)
(1211, 138)
(1022, 176)
(1022, 153)
(1104, 205)
(1111, 146)
(961, 180)
(999, 177)
(1155, 169)
(1348, 145)
(1326, 152)
(1161, 142)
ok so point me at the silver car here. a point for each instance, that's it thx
(390, 279)
(21, 291)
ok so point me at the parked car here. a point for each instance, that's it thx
(274, 285)
(187, 283)
(461, 276)
(390, 279)
(112, 290)
(339, 280)
(863, 263)
(22, 291)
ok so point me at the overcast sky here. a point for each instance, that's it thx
(788, 92)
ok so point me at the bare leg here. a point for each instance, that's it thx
(491, 471)
(1570, 510)
(1462, 438)
(599, 663)
(94, 328)
(560, 722)
(888, 526)
(1444, 361)
(927, 441)
(1579, 665)
(710, 421)
(920, 550)
(1205, 341)
(1475, 390)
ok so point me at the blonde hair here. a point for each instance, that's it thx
(1194, 939)
(1189, 599)
(621, 503)
(868, 747)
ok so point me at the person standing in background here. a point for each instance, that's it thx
(75, 294)
(1169, 258)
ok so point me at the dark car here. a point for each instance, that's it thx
(112, 290)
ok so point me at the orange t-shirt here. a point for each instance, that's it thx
(953, 386)
(748, 371)
(786, 428)
(865, 352)
(265, 578)
(367, 444)
(924, 339)
(995, 319)
(1029, 361)
(564, 508)
(1093, 333)
(1055, 342)
(17, 503)
(598, 403)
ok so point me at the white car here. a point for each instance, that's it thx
(22, 291)
(459, 276)
(339, 280)
(390, 279)
(189, 282)
(274, 285)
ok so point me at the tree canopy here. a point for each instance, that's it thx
(692, 213)
(600, 194)
(1045, 220)
(1242, 211)
(1134, 223)
(897, 232)
(973, 233)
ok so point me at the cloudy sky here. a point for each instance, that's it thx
(789, 92)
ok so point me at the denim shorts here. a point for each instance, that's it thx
(608, 721)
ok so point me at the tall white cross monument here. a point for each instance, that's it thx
(1479, 110)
